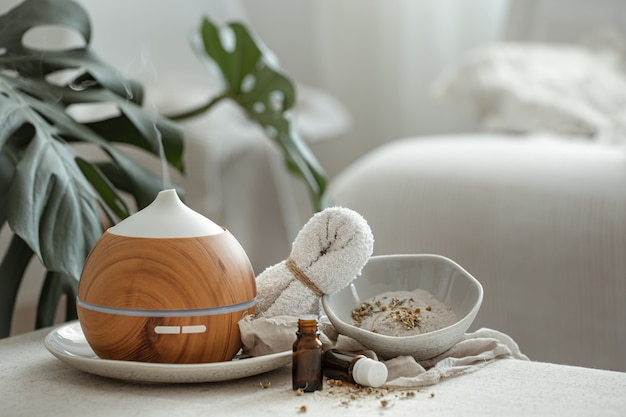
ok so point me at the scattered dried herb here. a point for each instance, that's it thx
(402, 313)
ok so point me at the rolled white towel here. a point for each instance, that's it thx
(327, 254)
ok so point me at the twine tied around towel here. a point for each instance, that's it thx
(302, 277)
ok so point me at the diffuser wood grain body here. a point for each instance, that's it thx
(175, 276)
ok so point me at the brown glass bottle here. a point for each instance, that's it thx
(307, 373)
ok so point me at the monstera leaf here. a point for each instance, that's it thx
(253, 80)
(52, 197)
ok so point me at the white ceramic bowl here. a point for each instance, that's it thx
(440, 276)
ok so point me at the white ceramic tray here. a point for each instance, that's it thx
(68, 344)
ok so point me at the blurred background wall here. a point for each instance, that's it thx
(379, 59)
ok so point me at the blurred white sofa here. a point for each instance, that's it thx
(540, 221)
(536, 212)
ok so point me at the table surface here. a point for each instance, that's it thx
(33, 382)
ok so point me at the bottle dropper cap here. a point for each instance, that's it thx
(369, 372)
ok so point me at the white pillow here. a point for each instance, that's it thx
(517, 87)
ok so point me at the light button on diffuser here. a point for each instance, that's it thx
(194, 329)
(167, 329)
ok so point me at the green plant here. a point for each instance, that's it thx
(53, 198)
(253, 81)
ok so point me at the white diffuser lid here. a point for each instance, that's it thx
(166, 217)
(369, 372)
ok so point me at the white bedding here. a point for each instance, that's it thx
(531, 87)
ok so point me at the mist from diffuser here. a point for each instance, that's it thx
(166, 285)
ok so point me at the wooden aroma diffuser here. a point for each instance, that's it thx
(166, 285)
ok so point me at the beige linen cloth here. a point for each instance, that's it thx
(472, 352)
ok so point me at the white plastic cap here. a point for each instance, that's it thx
(369, 372)
(166, 217)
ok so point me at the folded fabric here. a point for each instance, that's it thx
(474, 351)
(267, 335)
